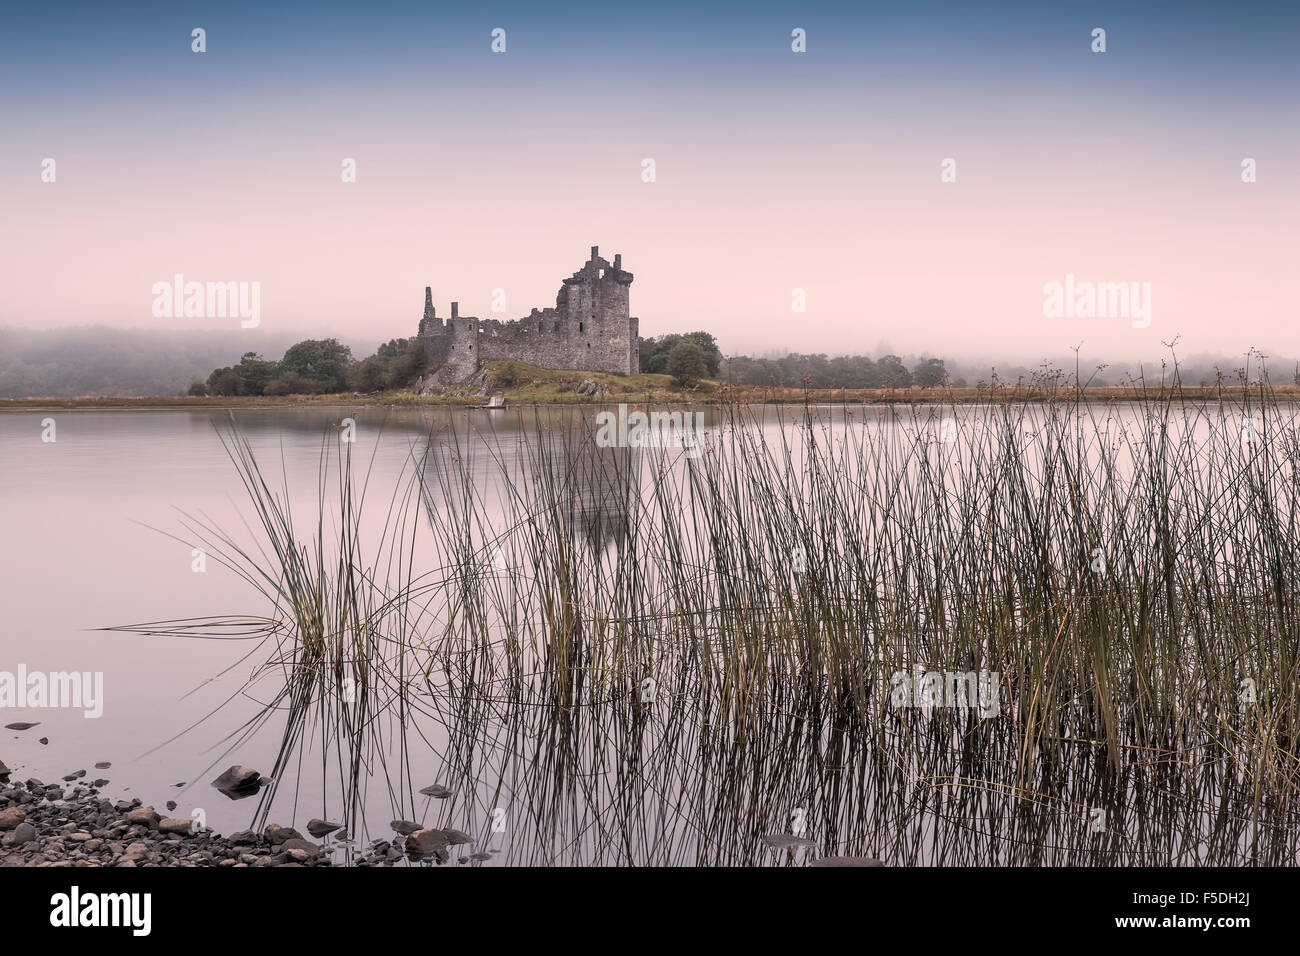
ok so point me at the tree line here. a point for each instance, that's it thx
(840, 371)
(100, 361)
(692, 356)
(318, 366)
(324, 366)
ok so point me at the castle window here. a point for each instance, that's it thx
(539, 326)
(579, 326)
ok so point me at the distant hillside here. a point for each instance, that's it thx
(99, 361)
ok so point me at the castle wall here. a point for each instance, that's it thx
(590, 328)
(451, 345)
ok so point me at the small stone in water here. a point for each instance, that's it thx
(785, 841)
(847, 861)
(437, 791)
(319, 828)
(238, 782)
(22, 725)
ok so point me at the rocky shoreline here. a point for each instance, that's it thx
(45, 825)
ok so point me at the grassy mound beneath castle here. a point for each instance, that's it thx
(529, 384)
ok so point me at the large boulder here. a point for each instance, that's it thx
(296, 843)
(11, 818)
(276, 834)
(143, 817)
(425, 844)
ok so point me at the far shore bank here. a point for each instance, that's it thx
(704, 394)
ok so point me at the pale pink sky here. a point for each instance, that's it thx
(506, 187)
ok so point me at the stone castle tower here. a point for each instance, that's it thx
(591, 328)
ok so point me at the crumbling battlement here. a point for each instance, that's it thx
(590, 328)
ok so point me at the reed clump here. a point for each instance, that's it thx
(1122, 578)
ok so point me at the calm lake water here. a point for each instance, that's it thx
(86, 521)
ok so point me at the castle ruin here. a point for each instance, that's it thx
(590, 329)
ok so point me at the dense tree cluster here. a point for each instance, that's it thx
(318, 366)
(655, 352)
(687, 363)
(792, 371)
